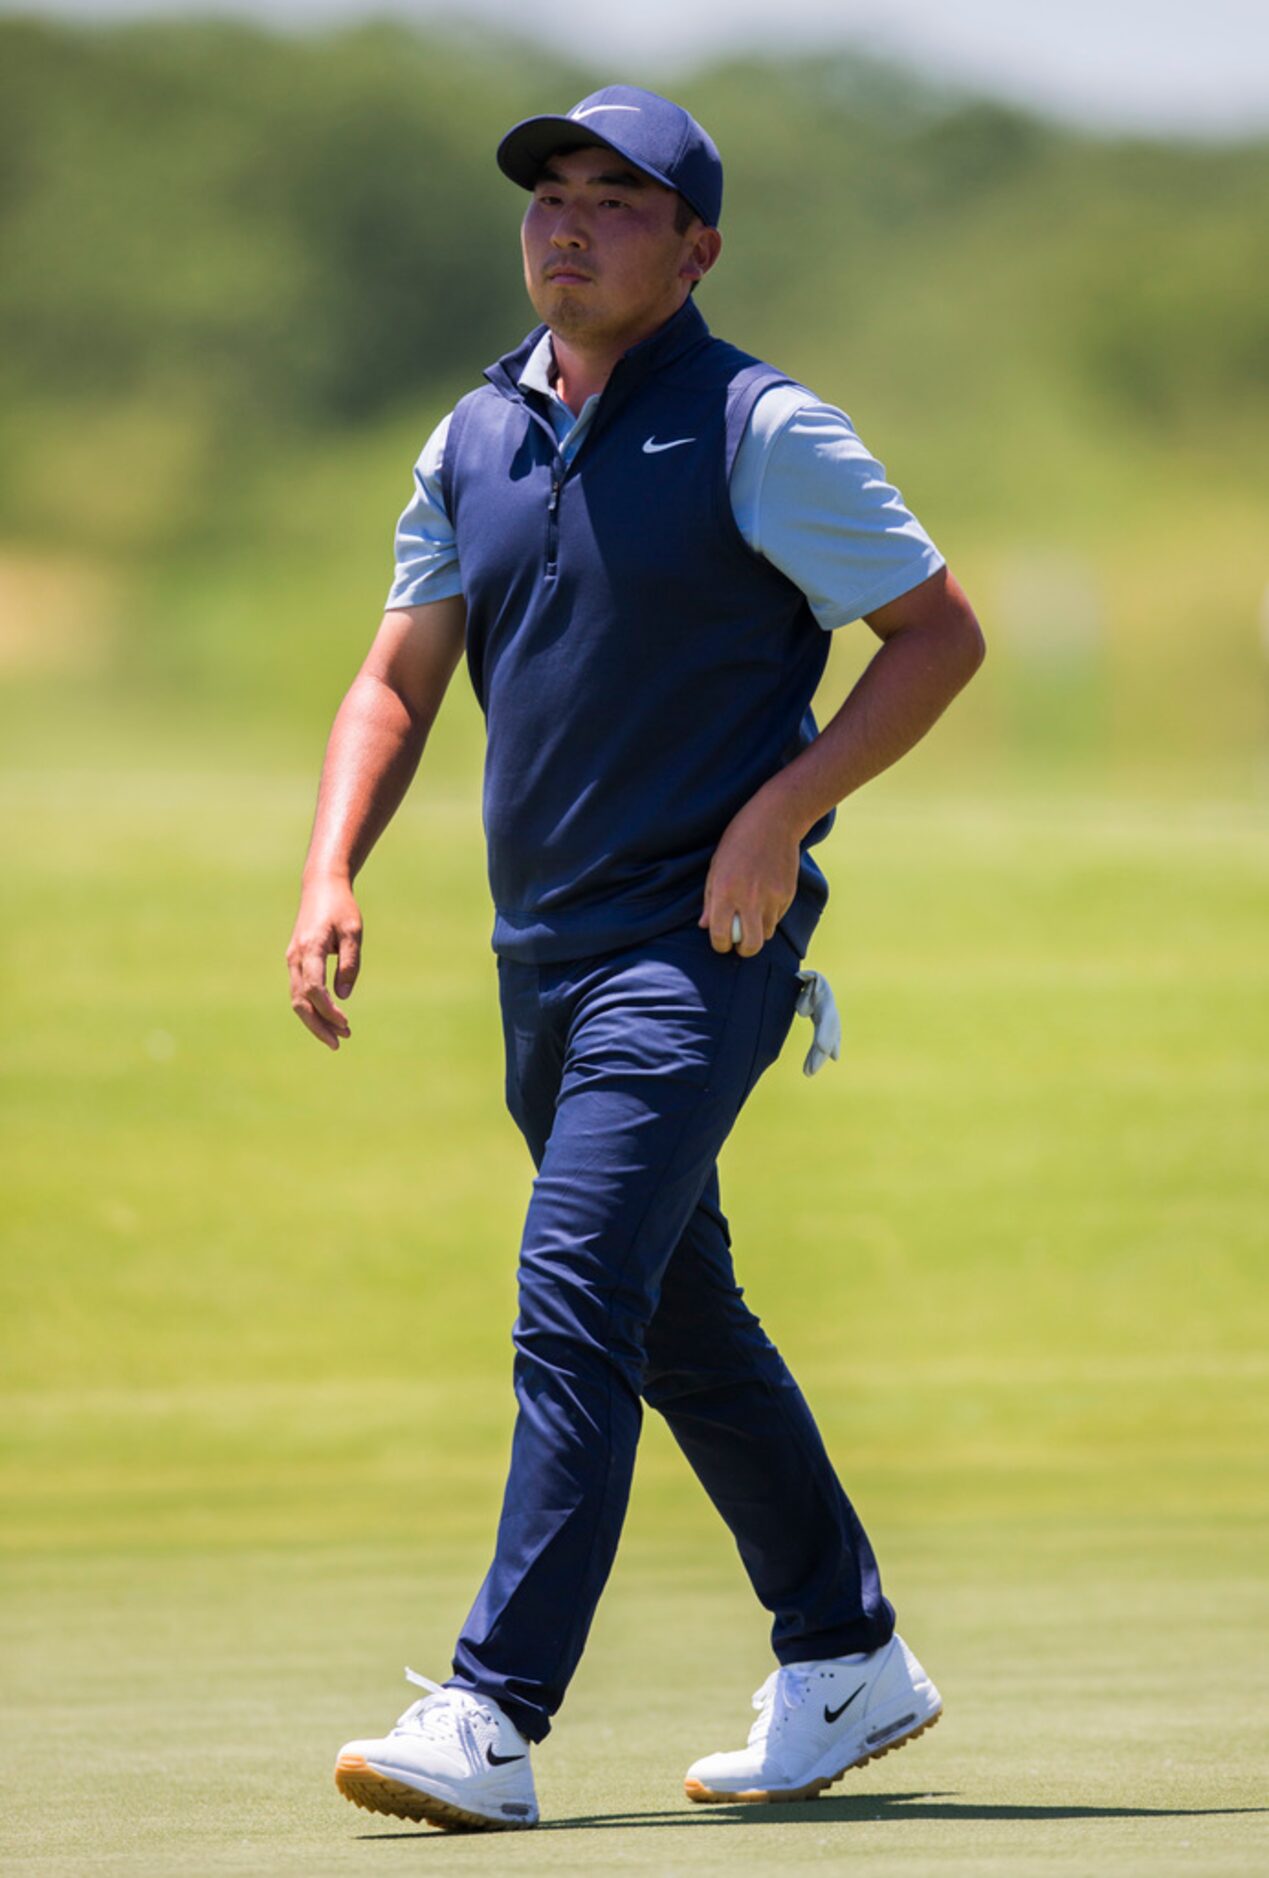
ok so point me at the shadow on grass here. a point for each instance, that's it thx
(864, 1809)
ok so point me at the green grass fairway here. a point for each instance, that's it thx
(257, 1300)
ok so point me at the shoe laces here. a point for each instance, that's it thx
(783, 1691)
(439, 1713)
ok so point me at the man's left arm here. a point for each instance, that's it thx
(931, 647)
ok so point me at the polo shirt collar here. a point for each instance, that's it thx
(531, 365)
(538, 373)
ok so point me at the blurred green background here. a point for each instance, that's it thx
(257, 1300)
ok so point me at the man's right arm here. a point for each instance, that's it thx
(374, 749)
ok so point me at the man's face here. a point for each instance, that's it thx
(603, 261)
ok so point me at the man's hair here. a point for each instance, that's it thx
(684, 215)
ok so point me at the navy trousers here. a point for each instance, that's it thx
(625, 1074)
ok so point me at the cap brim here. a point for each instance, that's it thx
(526, 147)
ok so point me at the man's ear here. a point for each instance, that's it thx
(707, 245)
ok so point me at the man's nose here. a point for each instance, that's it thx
(568, 231)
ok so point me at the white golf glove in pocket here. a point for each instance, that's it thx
(816, 1001)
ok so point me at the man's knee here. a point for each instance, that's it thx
(586, 1348)
(695, 1362)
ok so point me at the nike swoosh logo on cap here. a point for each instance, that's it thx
(652, 448)
(577, 116)
(832, 1715)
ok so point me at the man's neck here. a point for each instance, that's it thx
(580, 375)
(582, 372)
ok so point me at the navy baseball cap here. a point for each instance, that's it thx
(658, 137)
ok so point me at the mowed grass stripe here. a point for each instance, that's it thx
(256, 1324)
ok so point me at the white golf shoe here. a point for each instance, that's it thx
(453, 1759)
(816, 1720)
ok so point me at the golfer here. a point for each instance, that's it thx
(641, 538)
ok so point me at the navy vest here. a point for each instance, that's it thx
(642, 672)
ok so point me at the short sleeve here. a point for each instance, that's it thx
(426, 551)
(810, 499)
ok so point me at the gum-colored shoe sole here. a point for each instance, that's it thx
(696, 1790)
(358, 1782)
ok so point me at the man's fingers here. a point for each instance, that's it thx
(730, 928)
(295, 971)
(349, 963)
(311, 1021)
(318, 1012)
(326, 1008)
(730, 931)
(309, 997)
(720, 928)
(311, 1001)
(327, 926)
(747, 935)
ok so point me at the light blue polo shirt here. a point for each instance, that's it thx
(805, 493)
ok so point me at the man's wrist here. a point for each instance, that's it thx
(787, 804)
(326, 874)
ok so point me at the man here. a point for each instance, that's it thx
(639, 535)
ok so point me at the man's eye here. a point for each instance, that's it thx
(611, 202)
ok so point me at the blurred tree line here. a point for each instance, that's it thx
(315, 227)
(207, 213)
(241, 273)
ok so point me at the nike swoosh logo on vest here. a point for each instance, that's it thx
(652, 448)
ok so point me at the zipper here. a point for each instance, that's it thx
(553, 519)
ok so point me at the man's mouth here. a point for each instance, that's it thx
(566, 275)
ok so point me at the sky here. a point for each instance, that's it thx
(1198, 67)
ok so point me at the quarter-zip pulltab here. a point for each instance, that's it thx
(553, 519)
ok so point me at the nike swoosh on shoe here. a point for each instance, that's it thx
(835, 1714)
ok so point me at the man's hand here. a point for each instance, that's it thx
(328, 923)
(753, 876)
(932, 646)
(374, 748)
